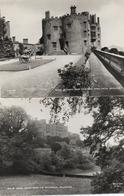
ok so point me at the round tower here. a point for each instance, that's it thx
(52, 30)
(72, 32)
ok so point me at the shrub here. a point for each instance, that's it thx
(74, 77)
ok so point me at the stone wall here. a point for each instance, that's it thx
(75, 33)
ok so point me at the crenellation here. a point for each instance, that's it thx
(71, 33)
(79, 14)
(85, 13)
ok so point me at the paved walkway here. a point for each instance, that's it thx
(102, 79)
(36, 82)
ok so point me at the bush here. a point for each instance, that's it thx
(109, 181)
(74, 77)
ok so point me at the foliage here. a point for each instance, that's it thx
(6, 45)
(108, 123)
(16, 135)
(21, 49)
(40, 51)
(62, 108)
(106, 49)
(74, 77)
(111, 180)
(114, 50)
(2, 28)
(121, 53)
(65, 151)
(107, 130)
(6, 48)
(18, 139)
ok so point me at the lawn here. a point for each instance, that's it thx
(36, 82)
(43, 185)
(17, 66)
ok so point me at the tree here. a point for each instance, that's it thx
(2, 28)
(55, 147)
(121, 53)
(6, 45)
(111, 179)
(108, 126)
(16, 135)
(74, 77)
(114, 50)
(21, 49)
(106, 49)
(65, 151)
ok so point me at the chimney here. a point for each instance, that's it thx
(25, 41)
(73, 9)
(47, 14)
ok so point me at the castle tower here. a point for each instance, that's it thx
(52, 32)
(47, 15)
(72, 33)
(95, 31)
(73, 9)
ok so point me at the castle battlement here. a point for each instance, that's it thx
(48, 18)
(75, 31)
(52, 18)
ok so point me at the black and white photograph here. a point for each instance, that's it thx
(61, 97)
(61, 146)
(61, 48)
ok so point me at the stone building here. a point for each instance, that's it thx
(53, 130)
(71, 33)
(26, 45)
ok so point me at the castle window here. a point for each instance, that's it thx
(98, 35)
(85, 33)
(64, 34)
(93, 34)
(99, 42)
(85, 42)
(93, 28)
(69, 25)
(67, 43)
(85, 24)
(49, 36)
(55, 28)
(54, 45)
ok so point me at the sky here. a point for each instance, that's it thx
(37, 110)
(26, 17)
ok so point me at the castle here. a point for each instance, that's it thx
(56, 130)
(71, 33)
(52, 129)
